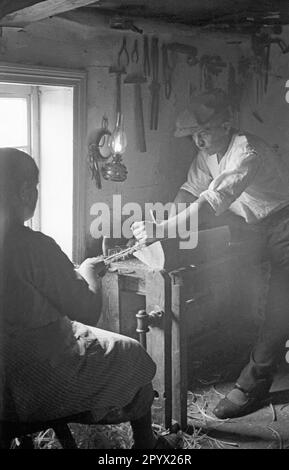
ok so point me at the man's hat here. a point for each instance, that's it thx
(204, 108)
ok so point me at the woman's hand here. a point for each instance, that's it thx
(92, 267)
(146, 232)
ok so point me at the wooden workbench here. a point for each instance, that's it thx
(189, 297)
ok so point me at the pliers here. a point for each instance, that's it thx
(134, 53)
(123, 51)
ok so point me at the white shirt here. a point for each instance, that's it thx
(250, 180)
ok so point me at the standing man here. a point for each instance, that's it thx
(238, 175)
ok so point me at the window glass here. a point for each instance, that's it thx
(39, 121)
(13, 122)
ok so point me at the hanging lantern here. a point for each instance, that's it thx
(116, 170)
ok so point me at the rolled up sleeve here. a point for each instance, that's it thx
(230, 184)
(198, 178)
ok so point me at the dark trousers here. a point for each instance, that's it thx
(269, 349)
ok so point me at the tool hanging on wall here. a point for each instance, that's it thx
(155, 85)
(244, 74)
(124, 24)
(123, 55)
(118, 71)
(190, 51)
(244, 66)
(267, 66)
(210, 67)
(260, 65)
(168, 69)
(192, 91)
(137, 80)
(146, 57)
(257, 116)
(233, 89)
(283, 46)
(93, 152)
(134, 53)
(261, 42)
(99, 151)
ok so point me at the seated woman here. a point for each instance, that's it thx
(55, 362)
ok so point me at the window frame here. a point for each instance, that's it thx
(30, 94)
(77, 80)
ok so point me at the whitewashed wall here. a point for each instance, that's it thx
(156, 174)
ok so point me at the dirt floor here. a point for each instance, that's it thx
(212, 371)
(266, 428)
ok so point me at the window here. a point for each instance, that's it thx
(14, 122)
(39, 120)
(42, 111)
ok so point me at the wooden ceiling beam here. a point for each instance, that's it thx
(17, 13)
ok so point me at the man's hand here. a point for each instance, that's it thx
(146, 232)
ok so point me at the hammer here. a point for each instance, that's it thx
(137, 80)
(118, 71)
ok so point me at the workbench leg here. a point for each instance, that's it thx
(110, 316)
(179, 357)
(159, 347)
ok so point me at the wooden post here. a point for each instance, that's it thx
(179, 354)
(159, 345)
(110, 316)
